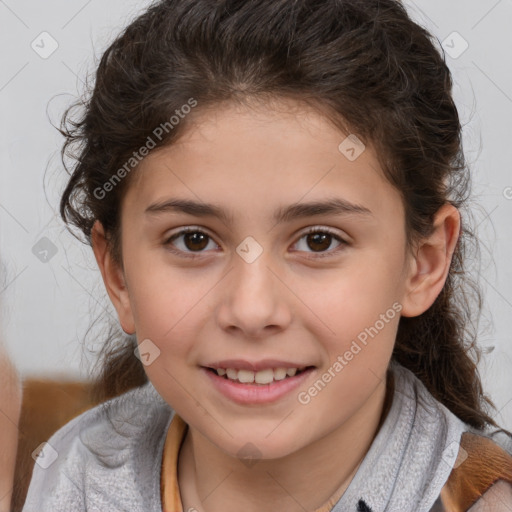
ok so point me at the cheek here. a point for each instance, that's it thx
(356, 315)
(352, 299)
(163, 298)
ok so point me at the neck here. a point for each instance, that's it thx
(212, 481)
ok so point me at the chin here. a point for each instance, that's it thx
(251, 448)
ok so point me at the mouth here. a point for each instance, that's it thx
(257, 388)
(262, 377)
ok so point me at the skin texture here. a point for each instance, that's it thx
(10, 406)
(288, 304)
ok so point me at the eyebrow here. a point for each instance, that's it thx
(334, 206)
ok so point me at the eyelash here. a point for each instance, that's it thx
(313, 229)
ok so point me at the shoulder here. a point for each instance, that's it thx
(470, 467)
(101, 450)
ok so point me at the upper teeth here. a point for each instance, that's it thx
(262, 377)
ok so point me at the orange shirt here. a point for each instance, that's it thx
(171, 498)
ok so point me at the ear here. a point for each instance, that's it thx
(113, 278)
(431, 263)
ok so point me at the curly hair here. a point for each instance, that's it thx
(365, 65)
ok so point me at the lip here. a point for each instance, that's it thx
(247, 394)
(264, 364)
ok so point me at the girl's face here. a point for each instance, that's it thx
(249, 284)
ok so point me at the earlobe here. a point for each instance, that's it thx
(113, 278)
(431, 262)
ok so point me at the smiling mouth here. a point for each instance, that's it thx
(262, 377)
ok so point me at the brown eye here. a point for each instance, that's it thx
(319, 241)
(189, 241)
(195, 240)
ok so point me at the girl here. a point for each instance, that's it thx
(273, 193)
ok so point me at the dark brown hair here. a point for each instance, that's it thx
(363, 63)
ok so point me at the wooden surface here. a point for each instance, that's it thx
(46, 406)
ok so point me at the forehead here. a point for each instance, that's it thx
(252, 159)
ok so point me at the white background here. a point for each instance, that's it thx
(47, 307)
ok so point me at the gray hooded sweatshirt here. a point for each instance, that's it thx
(109, 458)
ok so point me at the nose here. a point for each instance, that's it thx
(254, 299)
